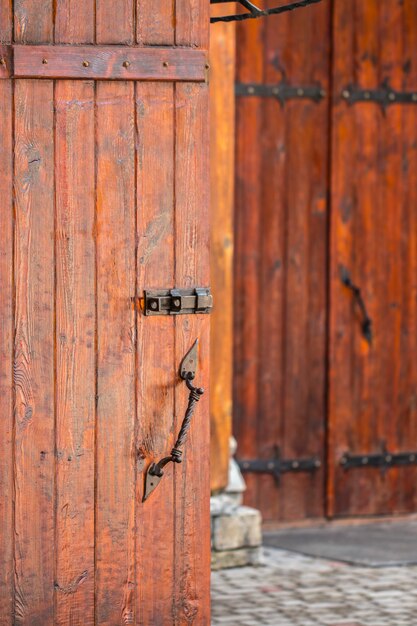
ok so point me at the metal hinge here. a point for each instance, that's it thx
(177, 301)
(281, 92)
(384, 95)
(277, 466)
(383, 460)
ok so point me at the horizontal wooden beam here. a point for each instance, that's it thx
(103, 63)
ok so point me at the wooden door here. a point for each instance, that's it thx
(373, 381)
(280, 258)
(104, 193)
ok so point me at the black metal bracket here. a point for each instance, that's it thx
(384, 95)
(277, 466)
(281, 92)
(252, 11)
(177, 301)
(383, 460)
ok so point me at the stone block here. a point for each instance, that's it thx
(236, 558)
(242, 529)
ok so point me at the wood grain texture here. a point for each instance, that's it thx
(33, 21)
(281, 260)
(75, 345)
(157, 368)
(108, 62)
(6, 356)
(249, 44)
(115, 21)
(192, 487)
(156, 21)
(75, 21)
(372, 391)
(222, 146)
(116, 410)
(34, 354)
(192, 22)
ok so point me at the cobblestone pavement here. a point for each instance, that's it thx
(295, 590)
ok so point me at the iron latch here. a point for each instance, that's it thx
(178, 301)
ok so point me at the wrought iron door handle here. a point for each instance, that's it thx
(187, 373)
(366, 320)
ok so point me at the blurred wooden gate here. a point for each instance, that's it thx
(104, 190)
(326, 205)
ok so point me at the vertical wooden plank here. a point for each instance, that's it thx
(33, 21)
(408, 372)
(75, 345)
(115, 21)
(192, 488)
(116, 345)
(156, 367)
(155, 22)
(222, 144)
(273, 149)
(75, 328)
(34, 353)
(192, 21)
(249, 113)
(6, 336)
(116, 282)
(74, 21)
(306, 61)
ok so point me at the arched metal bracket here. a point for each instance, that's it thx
(253, 11)
(187, 372)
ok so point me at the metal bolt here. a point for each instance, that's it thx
(365, 460)
(275, 91)
(366, 95)
(295, 464)
(246, 465)
(126, 63)
(177, 302)
(317, 463)
(412, 457)
(343, 460)
(251, 89)
(391, 96)
(388, 458)
(323, 93)
(154, 305)
(45, 61)
(86, 63)
(346, 94)
(414, 97)
(271, 465)
(300, 92)
(165, 63)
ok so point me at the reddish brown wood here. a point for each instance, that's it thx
(372, 391)
(157, 368)
(76, 361)
(95, 383)
(115, 21)
(280, 267)
(6, 61)
(111, 63)
(155, 22)
(116, 410)
(192, 485)
(6, 356)
(246, 288)
(222, 148)
(33, 366)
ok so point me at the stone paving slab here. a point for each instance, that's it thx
(291, 589)
(375, 545)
